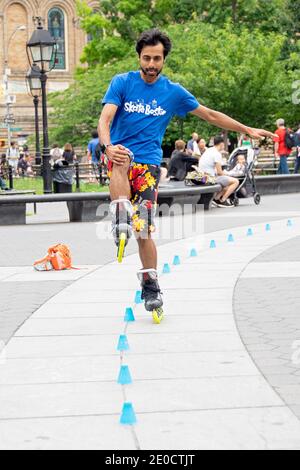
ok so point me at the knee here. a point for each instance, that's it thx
(118, 169)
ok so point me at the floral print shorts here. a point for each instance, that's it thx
(144, 180)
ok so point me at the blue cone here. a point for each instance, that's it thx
(213, 244)
(250, 232)
(193, 253)
(123, 344)
(176, 261)
(138, 297)
(268, 228)
(129, 316)
(230, 238)
(289, 223)
(124, 376)
(166, 269)
(128, 415)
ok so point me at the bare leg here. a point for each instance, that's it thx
(230, 189)
(220, 195)
(148, 252)
(119, 182)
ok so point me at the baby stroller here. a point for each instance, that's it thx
(247, 186)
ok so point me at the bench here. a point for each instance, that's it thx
(86, 207)
(6, 210)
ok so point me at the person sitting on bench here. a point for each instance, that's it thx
(181, 163)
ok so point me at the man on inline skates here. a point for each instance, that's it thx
(138, 107)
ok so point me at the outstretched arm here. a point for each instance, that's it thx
(225, 122)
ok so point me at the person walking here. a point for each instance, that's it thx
(13, 156)
(92, 147)
(281, 150)
(138, 106)
(297, 161)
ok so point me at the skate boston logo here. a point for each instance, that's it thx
(140, 107)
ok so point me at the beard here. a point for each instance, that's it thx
(151, 71)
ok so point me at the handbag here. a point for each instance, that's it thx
(199, 178)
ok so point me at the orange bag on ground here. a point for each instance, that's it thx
(58, 259)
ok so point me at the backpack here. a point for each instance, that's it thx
(58, 259)
(290, 139)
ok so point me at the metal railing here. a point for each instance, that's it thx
(82, 172)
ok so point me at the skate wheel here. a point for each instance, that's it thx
(158, 316)
(121, 250)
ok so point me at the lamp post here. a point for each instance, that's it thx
(34, 85)
(6, 73)
(41, 50)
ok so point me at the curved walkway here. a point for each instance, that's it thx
(267, 306)
(195, 386)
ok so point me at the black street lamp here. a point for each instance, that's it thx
(41, 50)
(34, 85)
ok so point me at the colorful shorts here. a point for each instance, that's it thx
(144, 180)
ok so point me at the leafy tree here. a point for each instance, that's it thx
(294, 13)
(115, 25)
(113, 28)
(240, 74)
(267, 15)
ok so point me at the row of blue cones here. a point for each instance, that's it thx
(128, 416)
(213, 244)
(250, 233)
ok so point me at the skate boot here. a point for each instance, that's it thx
(122, 212)
(151, 293)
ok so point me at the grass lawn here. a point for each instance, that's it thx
(36, 184)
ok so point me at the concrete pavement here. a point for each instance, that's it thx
(195, 383)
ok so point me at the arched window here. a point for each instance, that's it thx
(56, 26)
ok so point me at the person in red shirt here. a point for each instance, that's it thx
(281, 149)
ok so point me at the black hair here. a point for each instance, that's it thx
(219, 140)
(152, 37)
(95, 135)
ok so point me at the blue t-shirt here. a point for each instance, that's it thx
(144, 112)
(92, 148)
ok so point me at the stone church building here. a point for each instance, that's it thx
(60, 18)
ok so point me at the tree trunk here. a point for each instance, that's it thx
(234, 6)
